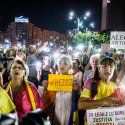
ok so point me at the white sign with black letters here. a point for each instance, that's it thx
(106, 116)
(117, 40)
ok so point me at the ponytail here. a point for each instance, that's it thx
(94, 84)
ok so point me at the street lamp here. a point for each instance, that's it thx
(79, 20)
(71, 14)
(87, 14)
(92, 25)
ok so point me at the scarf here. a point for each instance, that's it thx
(32, 100)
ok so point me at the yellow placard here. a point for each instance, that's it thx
(60, 83)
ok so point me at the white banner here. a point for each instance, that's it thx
(106, 116)
(117, 40)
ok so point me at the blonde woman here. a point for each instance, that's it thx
(23, 93)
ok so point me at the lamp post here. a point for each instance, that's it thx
(86, 29)
(78, 25)
(79, 20)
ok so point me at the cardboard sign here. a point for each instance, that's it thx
(106, 116)
(117, 40)
(60, 83)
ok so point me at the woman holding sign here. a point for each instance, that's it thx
(64, 103)
(99, 91)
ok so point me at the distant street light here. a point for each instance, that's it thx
(87, 14)
(92, 25)
(79, 20)
(71, 13)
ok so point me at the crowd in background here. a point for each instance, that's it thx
(24, 84)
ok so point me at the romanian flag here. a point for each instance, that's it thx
(73, 120)
(6, 104)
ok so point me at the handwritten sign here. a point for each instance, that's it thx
(106, 116)
(117, 40)
(60, 82)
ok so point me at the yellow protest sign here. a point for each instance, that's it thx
(60, 83)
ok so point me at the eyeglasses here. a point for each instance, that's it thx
(20, 68)
(75, 63)
(106, 66)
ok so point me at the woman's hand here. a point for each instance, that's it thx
(75, 84)
(111, 102)
(75, 87)
(45, 85)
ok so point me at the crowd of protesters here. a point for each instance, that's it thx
(24, 75)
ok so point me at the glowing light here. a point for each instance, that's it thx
(91, 46)
(92, 24)
(76, 54)
(46, 49)
(80, 24)
(7, 41)
(62, 50)
(55, 55)
(4, 50)
(70, 48)
(119, 52)
(98, 55)
(38, 64)
(1, 46)
(80, 46)
(18, 45)
(108, 1)
(70, 17)
(85, 18)
(71, 13)
(51, 44)
(87, 14)
(38, 44)
(24, 46)
(99, 50)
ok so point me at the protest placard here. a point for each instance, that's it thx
(60, 82)
(117, 40)
(106, 116)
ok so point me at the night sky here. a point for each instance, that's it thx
(49, 14)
